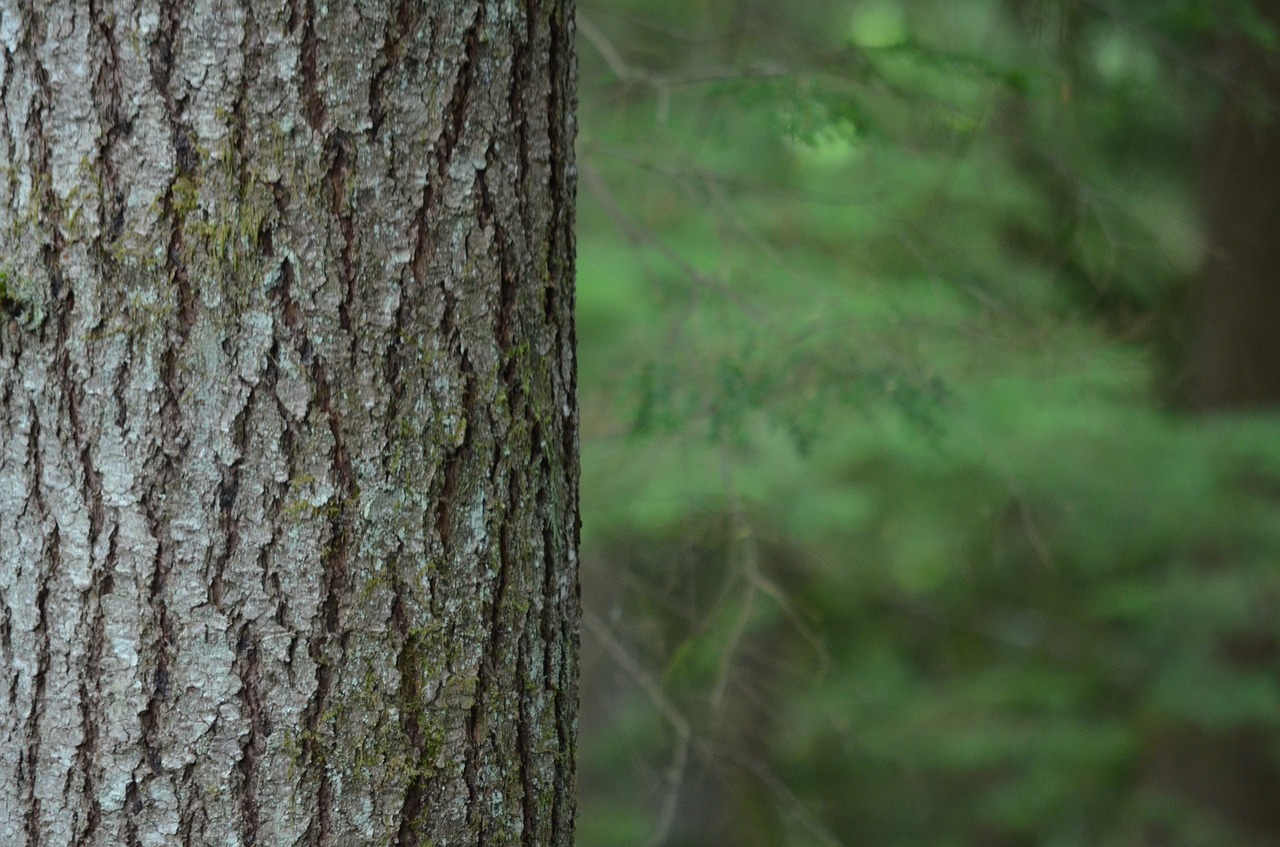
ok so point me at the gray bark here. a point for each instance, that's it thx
(288, 433)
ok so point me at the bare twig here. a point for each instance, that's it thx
(683, 730)
(640, 234)
(604, 47)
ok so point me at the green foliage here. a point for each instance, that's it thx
(892, 532)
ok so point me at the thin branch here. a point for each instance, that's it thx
(682, 727)
(647, 684)
(695, 76)
(637, 233)
(605, 48)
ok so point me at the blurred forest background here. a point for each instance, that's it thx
(930, 360)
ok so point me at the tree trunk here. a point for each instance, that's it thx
(288, 434)
(1235, 356)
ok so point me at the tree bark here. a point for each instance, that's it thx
(288, 432)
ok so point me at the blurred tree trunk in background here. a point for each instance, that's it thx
(288, 430)
(1235, 359)
(1235, 363)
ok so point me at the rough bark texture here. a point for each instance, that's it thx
(288, 435)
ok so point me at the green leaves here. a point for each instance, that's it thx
(881, 305)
